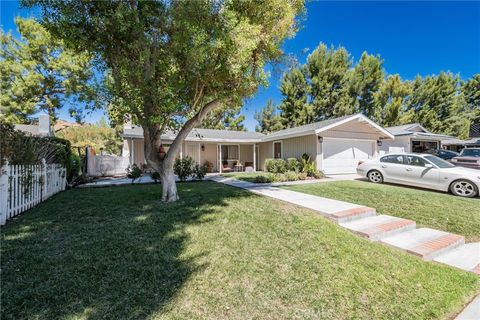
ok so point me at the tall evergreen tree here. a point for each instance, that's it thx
(225, 119)
(327, 72)
(471, 93)
(39, 73)
(366, 79)
(434, 100)
(391, 101)
(268, 119)
(295, 110)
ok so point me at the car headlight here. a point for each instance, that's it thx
(454, 160)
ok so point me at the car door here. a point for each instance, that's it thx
(418, 173)
(392, 167)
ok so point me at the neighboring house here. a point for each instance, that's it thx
(42, 128)
(457, 144)
(413, 138)
(336, 145)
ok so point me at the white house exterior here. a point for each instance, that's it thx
(336, 145)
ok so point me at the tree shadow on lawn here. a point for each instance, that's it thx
(104, 253)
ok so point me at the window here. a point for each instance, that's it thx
(230, 152)
(439, 162)
(470, 153)
(277, 150)
(396, 158)
(419, 146)
(414, 161)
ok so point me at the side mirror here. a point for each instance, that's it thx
(428, 165)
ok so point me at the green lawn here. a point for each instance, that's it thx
(219, 252)
(437, 210)
(245, 176)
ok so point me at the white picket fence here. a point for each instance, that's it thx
(24, 186)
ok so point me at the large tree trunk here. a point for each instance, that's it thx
(164, 167)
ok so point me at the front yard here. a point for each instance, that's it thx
(219, 252)
(436, 210)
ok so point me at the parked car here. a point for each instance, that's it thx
(422, 170)
(469, 157)
(444, 154)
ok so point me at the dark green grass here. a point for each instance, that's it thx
(245, 176)
(432, 209)
(219, 252)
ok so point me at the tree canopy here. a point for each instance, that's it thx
(331, 85)
(39, 73)
(173, 62)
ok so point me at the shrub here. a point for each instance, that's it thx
(302, 176)
(275, 165)
(134, 172)
(183, 168)
(199, 171)
(292, 164)
(74, 167)
(155, 176)
(291, 175)
(262, 179)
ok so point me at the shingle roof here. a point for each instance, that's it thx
(404, 129)
(243, 136)
(202, 134)
(28, 128)
(305, 129)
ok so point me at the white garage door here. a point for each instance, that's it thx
(343, 155)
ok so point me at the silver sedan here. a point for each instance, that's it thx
(422, 170)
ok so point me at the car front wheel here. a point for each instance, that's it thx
(464, 188)
(375, 176)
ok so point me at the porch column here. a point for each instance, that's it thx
(220, 165)
(254, 157)
(132, 155)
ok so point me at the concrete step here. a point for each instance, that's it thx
(352, 214)
(378, 227)
(425, 242)
(466, 257)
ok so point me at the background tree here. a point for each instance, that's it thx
(100, 136)
(328, 77)
(228, 118)
(434, 100)
(39, 73)
(294, 108)
(268, 119)
(471, 93)
(391, 101)
(173, 62)
(367, 76)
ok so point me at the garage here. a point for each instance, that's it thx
(343, 155)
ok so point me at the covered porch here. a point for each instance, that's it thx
(223, 157)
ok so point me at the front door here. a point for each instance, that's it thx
(192, 150)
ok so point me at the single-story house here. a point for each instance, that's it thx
(413, 138)
(336, 145)
(457, 145)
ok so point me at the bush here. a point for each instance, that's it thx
(199, 171)
(302, 176)
(293, 164)
(74, 167)
(155, 176)
(275, 165)
(134, 172)
(291, 176)
(183, 168)
(263, 179)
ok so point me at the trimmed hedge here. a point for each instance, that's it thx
(276, 165)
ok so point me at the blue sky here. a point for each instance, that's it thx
(411, 37)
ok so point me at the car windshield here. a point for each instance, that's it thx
(470, 153)
(439, 162)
